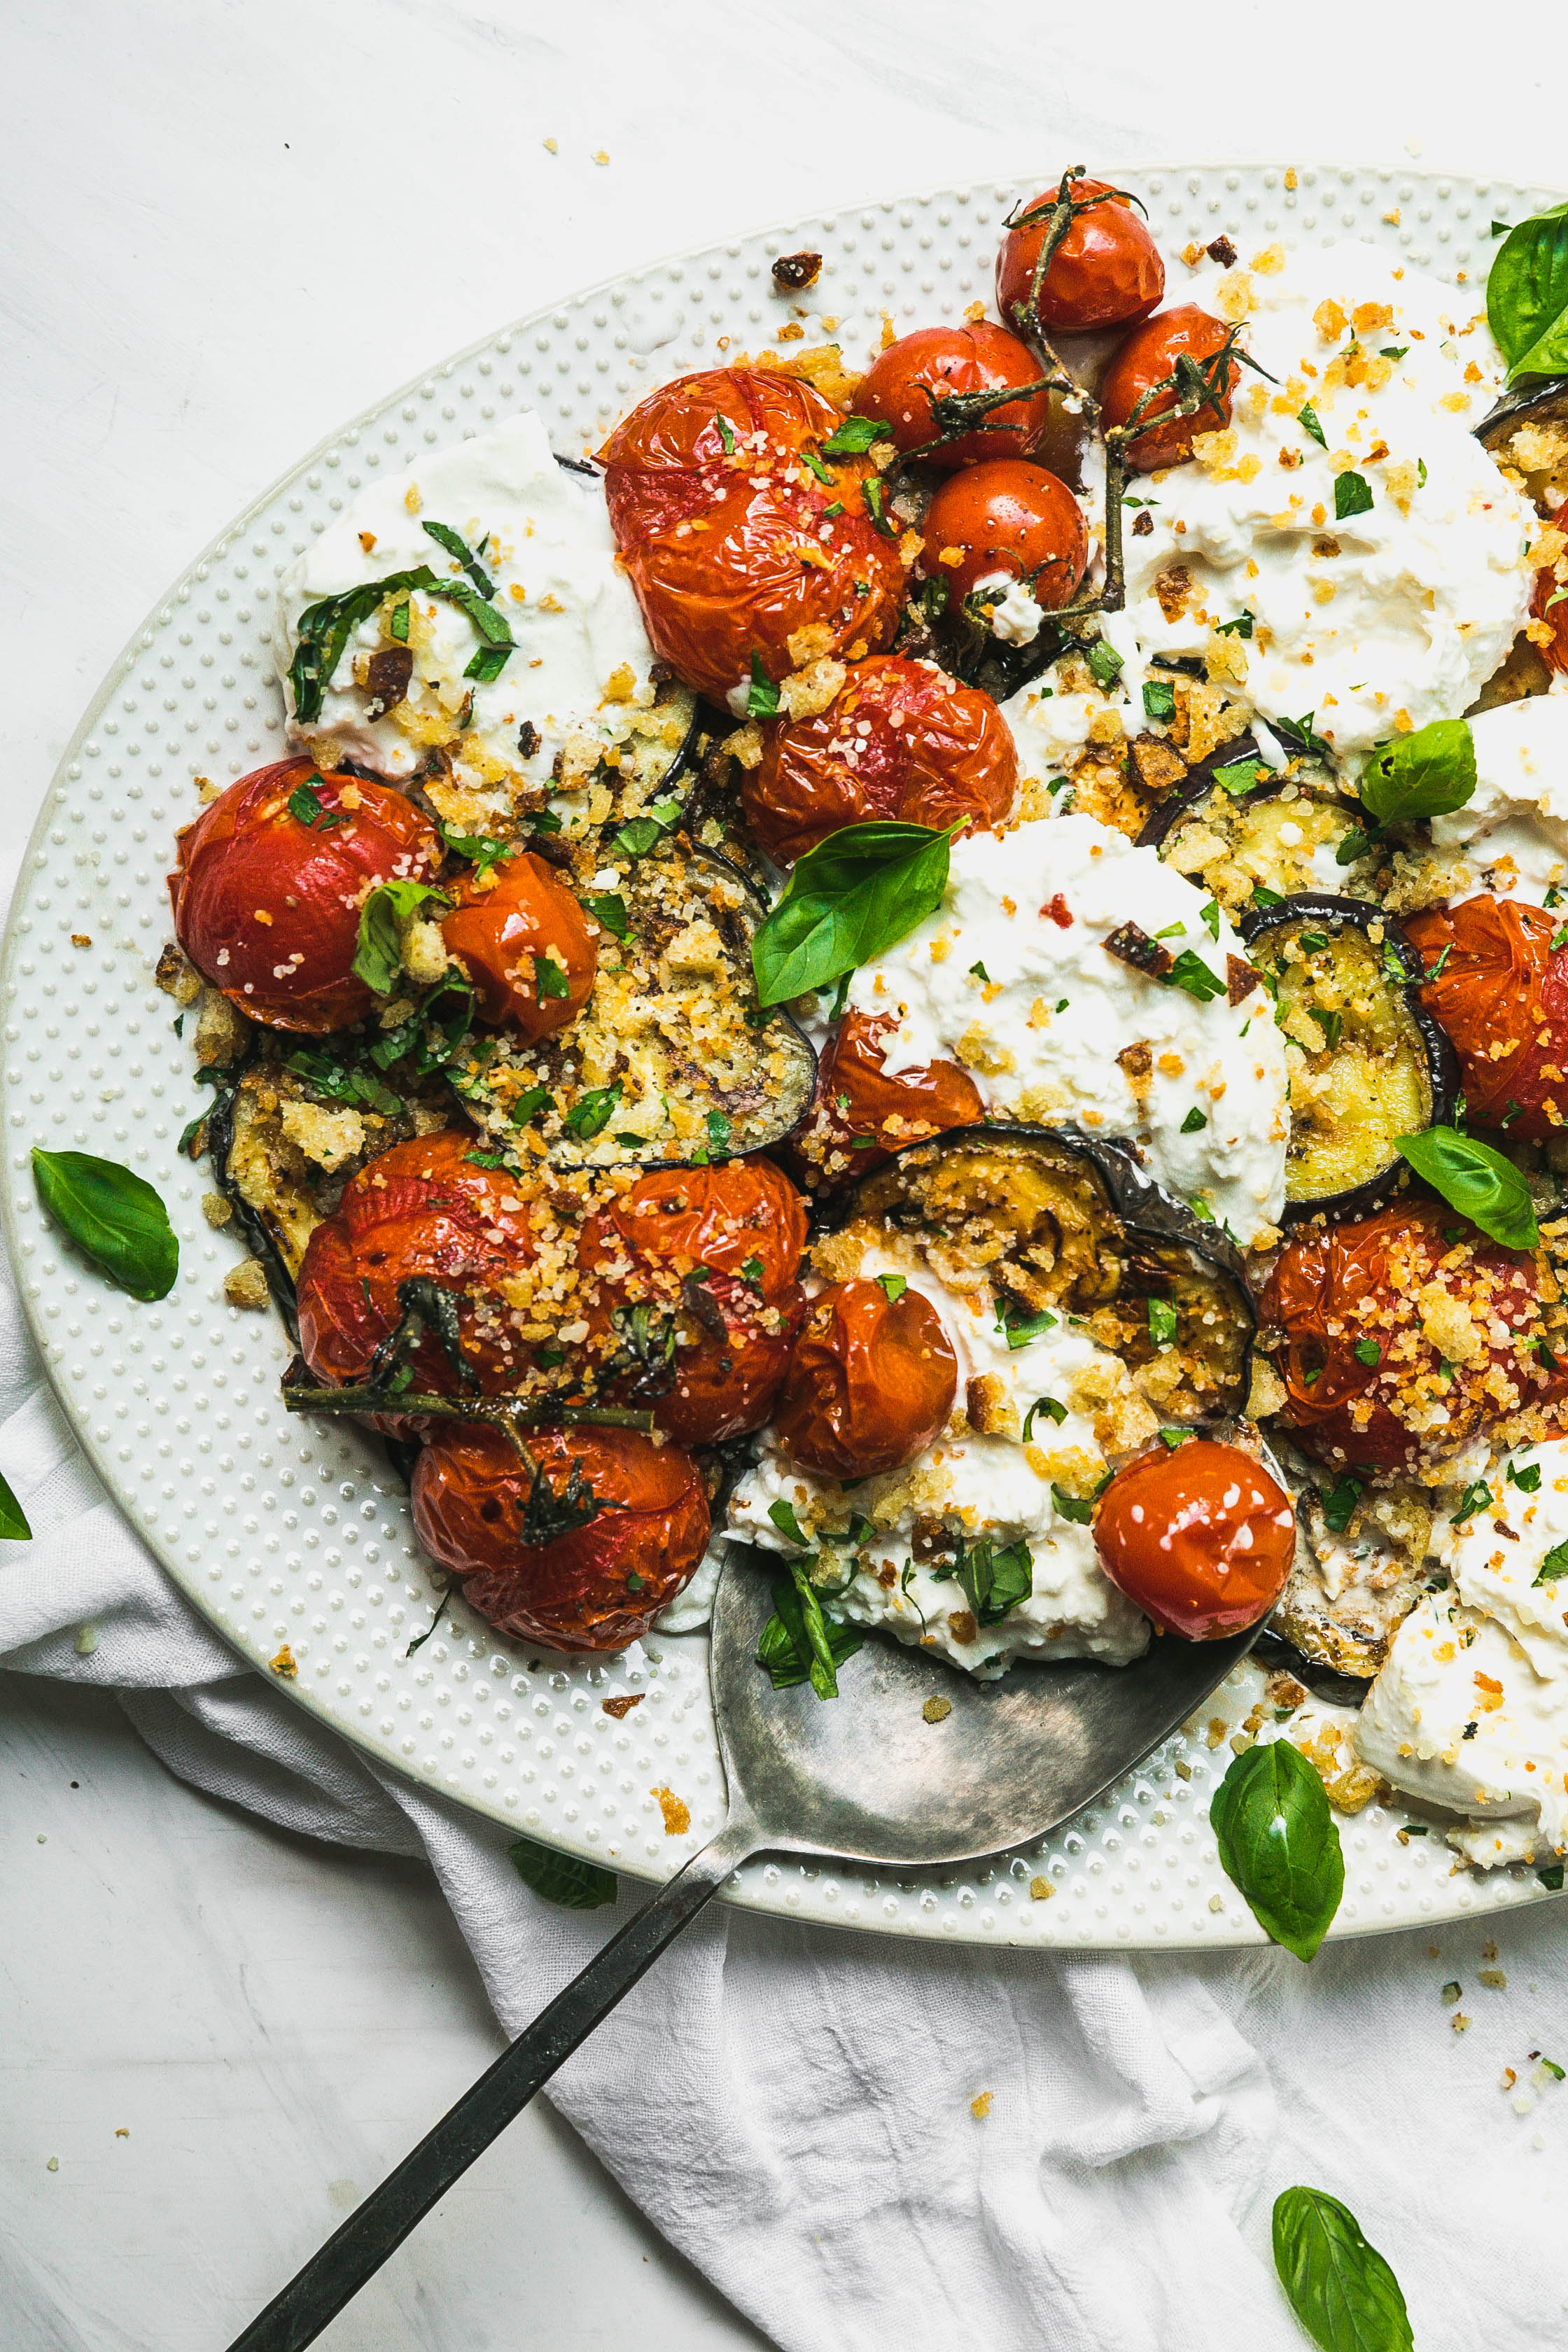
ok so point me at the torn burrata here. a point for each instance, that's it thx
(1512, 832)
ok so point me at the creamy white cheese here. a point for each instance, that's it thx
(1010, 977)
(548, 549)
(1513, 830)
(1014, 615)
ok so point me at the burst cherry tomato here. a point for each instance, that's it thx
(1201, 1540)
(1502, 996)
(698, 1296)
(266, 901)
(1386, 1337)
(1106, 270)
(862, 1112)
(596, 1586)
(917, 386)
(871, 1382)
(1544, 604)
(1146, 359)
(524, 942)
(1010, 518)
(901, 740)
(719, 495)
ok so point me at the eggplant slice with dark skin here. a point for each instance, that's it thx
(1062, 1225)
(1375, 1067)
(1263, 840)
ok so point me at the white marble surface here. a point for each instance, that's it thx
(214, 250)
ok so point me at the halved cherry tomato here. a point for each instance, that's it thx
(522, 939)
(862, 1112)
(698, 1298)
(871, 1381)
(901, 740)
(1385, 1337)
(918, 387)
(594, 1587)
(1106, 270)
(1012, 518)
(1502, 996)
(738, 532)
(1549, 604)
(1201, 1540)
(267, 902)
(1146, 359)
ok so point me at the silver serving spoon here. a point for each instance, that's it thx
(865, 1777)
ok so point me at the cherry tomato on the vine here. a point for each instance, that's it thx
(1106, 270)
(1007, 520)
(918, 387)
(1146, 359)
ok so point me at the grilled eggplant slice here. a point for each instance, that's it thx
(1280, 838)
(670, 1061)
(1060, 1223)
(1371, 1063)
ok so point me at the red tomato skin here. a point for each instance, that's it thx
(1201, 1540)
(1145, 360)
(246, 852)
(571, 1594)
(938, 754)
(1007, 516)
(1501, 985)
(1106, 270)
(1555, 615)
(742, 1213)
(713, 597)
(498, 933)
(974, 357)
(858, 1104)
(870, 1382)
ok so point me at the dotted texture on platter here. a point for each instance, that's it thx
(284, 1531)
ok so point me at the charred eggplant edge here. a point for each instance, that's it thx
(1161, 820)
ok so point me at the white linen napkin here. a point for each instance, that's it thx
(795, 2108)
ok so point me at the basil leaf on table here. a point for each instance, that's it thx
(1477, 1181)
(561, 1878)
(113, 1215)
(1428, 773)
(1278, 1842)
(1341, 2289)
(13, 1528)
(855, 893)
(1527, 295)
(378, 959)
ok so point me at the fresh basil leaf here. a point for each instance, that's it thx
(1240, 627)
(1339, 1503)
(1352, 496)
(854, 435)
(785, 1648)
(719, 1131)
(487, 665)
(1550, 1876)
(1429, 774)
(1079, 1509)
(113, 1216)
(1159, 698)
(892, 1286)
(1527, 1480)
(1477, 1496)
(458, 547)
(561, 1878)
(1554, 1565)
(1263, 899)
(1194, 1121)
(1368, 1352)
(1241, 775)
(1050, 1408)
(872, 491)
(478, 849)
(609, 911)
(1189, 972)
(1308, 420)
(1477, 1181)
(378, 957)
(1162, 1322)
(1339, 2288)
(1278, 1844)
(305, 804)
(13, 1528)
(548, 979)
(529, 1104)
(591, 1112)
(762, 695)
(783, 1516)
(853, 896)
(1526, 292)
(1106, 665)
(324, 628)
(1300, 732)
(996, 1581)
(1351, 847)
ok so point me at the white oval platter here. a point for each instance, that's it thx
(281, 1530)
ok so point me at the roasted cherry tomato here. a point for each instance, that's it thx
(270, 882)
(871, 1381)
(925, 387)
(697, 1295)
(862, 1112)
(1011, 518)
(1549, 605)
(901, 740)
(421, 1208)
(1147, 358)
(1106, 270)
(1387, 1336)
(1502, 996)
(739, 532)
(1201, 1540)
(595, 1586)
(524, 942)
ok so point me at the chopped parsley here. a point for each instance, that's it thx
(892, 1286)
(1193, 1122)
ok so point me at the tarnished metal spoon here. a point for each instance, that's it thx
(865, 1777)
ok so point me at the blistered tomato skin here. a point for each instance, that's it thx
(861, 1112)
(1011, 517)
(1423, 1293)
(1147, 357)
(871, 1381)
(267, 904)
(903, 741)
(597, 1587)
(714, 1253)
(524, 943)
(1201, 1540)
(1543, 607)
(711, 535)
(911, 375)
(1106, 270)
(1502, 996)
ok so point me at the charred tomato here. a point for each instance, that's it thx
(1105, 269)
(521, 938)
(1549, 604)
(925, 385)
(1147, 358)
(1201, 1540)
(1009, 519)
(871, 1381)
(862, 1112)
(1499, 987)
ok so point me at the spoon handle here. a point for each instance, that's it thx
(356, 2252)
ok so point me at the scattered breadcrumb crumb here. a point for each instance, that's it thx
(677, 1816)
(980, 2106)
(283, 1664)
(937, 1710)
